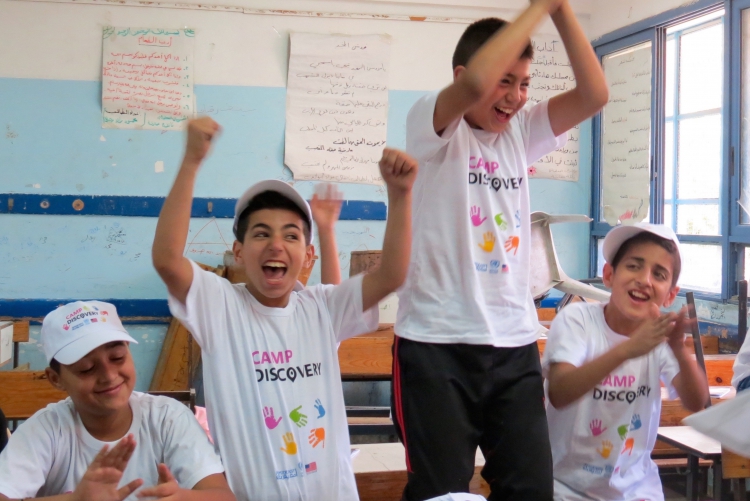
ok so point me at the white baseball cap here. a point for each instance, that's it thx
(74, 330)
(272, 185)
(620, 234)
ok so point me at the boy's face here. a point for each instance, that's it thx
(642, 277)
(494, 113)
(101, 382)
(273, 253)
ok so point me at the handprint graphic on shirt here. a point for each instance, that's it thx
(271, 422)
(622, 431)
(512, 244)
(320, 408)
(596, 427)
(489, 242)
(297, 417)
(476, 216)
(629, 443)
(290, 446)
(317, 435)
(501, 222)
(635, 423)
(606, 449)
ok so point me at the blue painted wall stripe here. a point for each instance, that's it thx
(157, 309)
(94, 205)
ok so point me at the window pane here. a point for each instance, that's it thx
(671, 68)
(701, 69)
(625, 153)
(698, 219)
(701, 267)
(668, 160)
(744, 201)
(668, 218)
(699, 157)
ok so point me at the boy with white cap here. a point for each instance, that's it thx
(271, 373)
(603, 364)
(105, 441)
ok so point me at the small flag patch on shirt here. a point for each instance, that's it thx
(311, 468)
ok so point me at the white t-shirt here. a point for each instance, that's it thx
(602, 443)
(51, 451)
(742, 364)
(273, 386)
(468, 278)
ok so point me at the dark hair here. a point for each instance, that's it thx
(646, 237)
(54, 365)
(270, 200)
(476, 35)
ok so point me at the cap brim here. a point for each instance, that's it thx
(79, 348)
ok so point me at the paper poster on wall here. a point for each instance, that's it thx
(551, 74)
(337, 107)
(147, 78)
(626, 136)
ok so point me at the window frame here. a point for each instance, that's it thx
(733, 237)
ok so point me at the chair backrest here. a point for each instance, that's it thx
(187, 397)
(22, 393)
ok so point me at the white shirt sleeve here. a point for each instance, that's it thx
(421, 139)
(345, 308)
(565, 339)
(537, 132)
(206, 292)
(26, 460)
(187, 451)
(742, 363)
(668, 369)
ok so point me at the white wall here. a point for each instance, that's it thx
(609, 15)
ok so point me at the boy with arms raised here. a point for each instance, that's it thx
(466, 365)
(604, 363)
(105, 440)
(273, 387)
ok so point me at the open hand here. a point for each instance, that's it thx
(103, 475)
(271, 421)
(399, 170)
(297, 417)
(326, 205)
(651, 333)
(676, 336)
(167, 486)
(200, 133)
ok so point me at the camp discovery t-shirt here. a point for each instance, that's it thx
(468, 278)
(273, 386)
(602, 443)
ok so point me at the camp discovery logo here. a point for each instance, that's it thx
(84, 316)
(288, 373)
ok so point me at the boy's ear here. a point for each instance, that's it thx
(236, 250)
(457, 71)
(671, 296)
(54, 378)
(607, 274)
(309, 253)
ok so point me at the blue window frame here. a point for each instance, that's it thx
(722, 231)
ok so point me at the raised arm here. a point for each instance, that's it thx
(591, 93)
(326, 207)
(399, 171)
(489, 65)
(172, 228)
(568, 383)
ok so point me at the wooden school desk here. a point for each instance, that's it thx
(697, 446)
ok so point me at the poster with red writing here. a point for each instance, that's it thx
(147, 78)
